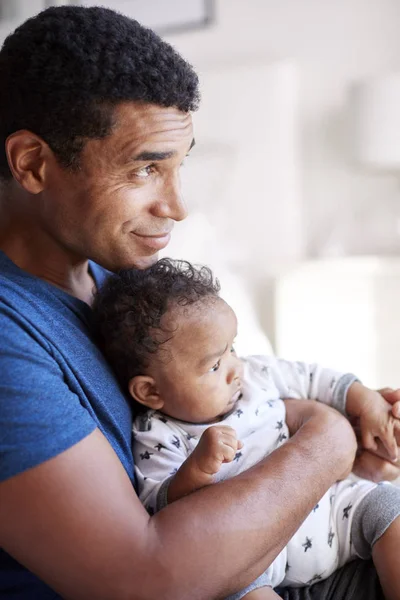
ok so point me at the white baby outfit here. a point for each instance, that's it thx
(162, 444)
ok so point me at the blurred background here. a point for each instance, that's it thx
(293, 186)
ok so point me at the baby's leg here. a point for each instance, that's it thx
(377, 526)
(264, 593)
(386, 556)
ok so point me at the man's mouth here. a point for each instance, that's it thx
(155, 242)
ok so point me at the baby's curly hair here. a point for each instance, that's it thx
(128, 310)
(63, 72)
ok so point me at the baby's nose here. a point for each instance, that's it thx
(239, 369)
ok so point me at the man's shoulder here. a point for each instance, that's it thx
(56, 385)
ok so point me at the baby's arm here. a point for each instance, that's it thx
(165, 470)
(379, 428)
(302, 380)
(217, 445)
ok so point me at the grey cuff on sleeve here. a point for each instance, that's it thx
(375, 513)
(162, 495)
(339, 396)
(262, 581)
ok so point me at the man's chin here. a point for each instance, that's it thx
(141, 262)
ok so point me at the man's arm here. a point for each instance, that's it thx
(76, 522)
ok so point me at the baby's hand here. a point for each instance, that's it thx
(379, 428)
(217, 445)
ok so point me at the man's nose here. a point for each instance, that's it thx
(171, 204)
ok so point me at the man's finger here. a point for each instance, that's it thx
(396, 409)
(392, 396)
(390, 444)
(370, 466)
(368, 441)
(385, 390)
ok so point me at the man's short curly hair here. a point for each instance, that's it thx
(63, 72)
(128, 311)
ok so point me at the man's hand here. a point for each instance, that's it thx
(374, 465)
(369, 465)
(217, 445)
(393, 397)
(374, 418)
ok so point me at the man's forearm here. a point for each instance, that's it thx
(236, 528)
(87, 535)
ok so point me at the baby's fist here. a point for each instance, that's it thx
(217, 445)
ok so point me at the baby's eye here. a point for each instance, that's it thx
(233, 351)
(215, 367)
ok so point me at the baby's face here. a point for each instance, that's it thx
(203, 378)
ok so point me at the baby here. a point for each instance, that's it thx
(204, 415)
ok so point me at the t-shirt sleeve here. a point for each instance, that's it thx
(39, 415)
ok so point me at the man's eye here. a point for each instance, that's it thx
(215, 367)
(145, 172)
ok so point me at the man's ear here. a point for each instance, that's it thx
(27, 155)
(144, 390)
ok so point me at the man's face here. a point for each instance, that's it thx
(120, 207)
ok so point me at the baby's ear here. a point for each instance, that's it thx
(144, 390)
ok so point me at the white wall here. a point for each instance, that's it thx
(333, 43)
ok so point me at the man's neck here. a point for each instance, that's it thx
(38, 254)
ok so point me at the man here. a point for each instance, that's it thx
(95, 123)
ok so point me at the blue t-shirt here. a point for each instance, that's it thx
(55, 389)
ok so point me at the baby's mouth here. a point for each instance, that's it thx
(236, 396)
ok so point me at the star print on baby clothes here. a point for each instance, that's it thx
(266, 369)
(346, 511)
(146, 455)
(176, 441)
(160, 447)
(282, 437)
(279, 425)
(238, 413)
(333, 383)
(238, 455)
(331, 535)
(300, 368)
(307, 544)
